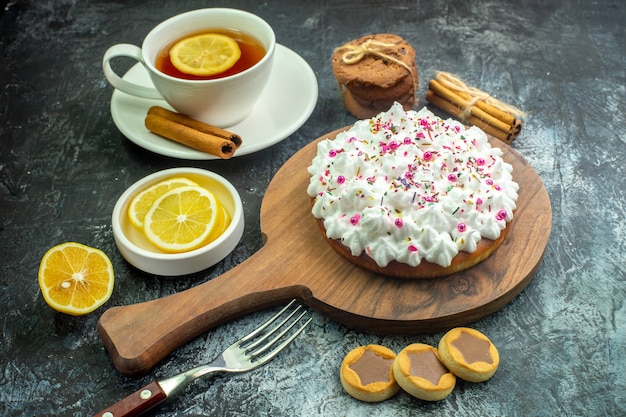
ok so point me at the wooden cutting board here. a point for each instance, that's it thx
(297, 262)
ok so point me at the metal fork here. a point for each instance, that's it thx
(249, 352)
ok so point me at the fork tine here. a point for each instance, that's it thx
(254, 353)
(265, 325)
(269, 333)
(260, 360)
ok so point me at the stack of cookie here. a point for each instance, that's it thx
(374, 72)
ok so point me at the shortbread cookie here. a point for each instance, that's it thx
(469, 354)
(366, 373)
(419, 372)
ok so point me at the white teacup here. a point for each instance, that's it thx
(221, 102)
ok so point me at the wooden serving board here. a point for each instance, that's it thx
(297, 262)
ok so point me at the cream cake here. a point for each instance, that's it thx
(409, 194)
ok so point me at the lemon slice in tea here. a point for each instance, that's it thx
(205, 55)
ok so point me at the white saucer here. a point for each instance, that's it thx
(286, 104)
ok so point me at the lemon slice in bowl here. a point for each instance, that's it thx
(222, 223)
(183, 219)
(205, 55)
(75, 279)
(141, 203)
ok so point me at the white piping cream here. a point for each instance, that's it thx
(408, 186)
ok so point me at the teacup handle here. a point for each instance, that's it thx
(130, 51)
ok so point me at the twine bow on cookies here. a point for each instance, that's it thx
(356, 53)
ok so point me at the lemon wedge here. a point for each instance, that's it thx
(75, 279)
(205, 55)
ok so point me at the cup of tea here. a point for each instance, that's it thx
(222, 99)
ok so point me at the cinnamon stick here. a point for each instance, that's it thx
(453, 97)
(196, 124)
(483, 100)
(474, 106)
(451, 108)
(454, 104)
(196, 139)
(491, 110)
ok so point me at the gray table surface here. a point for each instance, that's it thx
(63, 163)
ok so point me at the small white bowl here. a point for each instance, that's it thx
(139, 252)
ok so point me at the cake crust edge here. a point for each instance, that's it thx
(462, 261)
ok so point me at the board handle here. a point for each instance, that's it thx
(138, 336)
